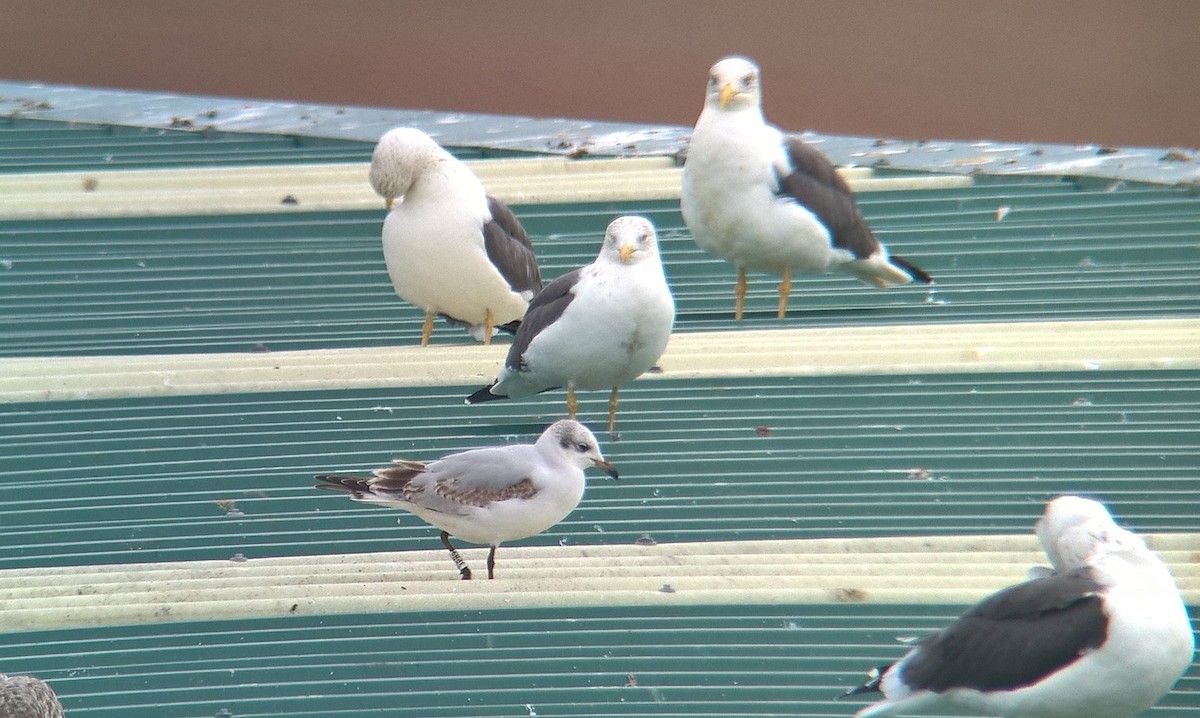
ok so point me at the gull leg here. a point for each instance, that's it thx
(489, 325)
(612, 409)
(463, 570)
(427, 329)
(739, 294)
(491, 562)
(785, 291)
(572, 405)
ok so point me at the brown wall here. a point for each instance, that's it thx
(1104, 71)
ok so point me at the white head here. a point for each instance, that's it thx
(1074, 531)
(576, 443)
(398, 159)
(733, 84)
(630, 240)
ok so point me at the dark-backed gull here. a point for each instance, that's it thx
(1105, 635)
(596, 327)
(450, 249)
(768, 202)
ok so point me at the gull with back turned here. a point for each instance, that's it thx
(1105, 635)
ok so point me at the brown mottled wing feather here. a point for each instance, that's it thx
(813, 181)
(449, 489)
(509, 249)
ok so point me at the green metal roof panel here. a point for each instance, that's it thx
(136, 480)
(28, 145)
(129, 480)
(317, 280)
(753, 660)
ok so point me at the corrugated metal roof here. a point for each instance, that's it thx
(748, 660)
(145, 479)
(143, 422)
(305, 280)
(40, 146)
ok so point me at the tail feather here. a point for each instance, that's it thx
(343, 483)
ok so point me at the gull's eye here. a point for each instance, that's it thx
(583, 447)
(748, 81)
(713, 81)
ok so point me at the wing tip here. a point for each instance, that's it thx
(484, 395)
(912, 270)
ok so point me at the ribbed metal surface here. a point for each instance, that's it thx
(28, 145)
(316, 280)
(754, 661)
(134, 480)
(704, 460)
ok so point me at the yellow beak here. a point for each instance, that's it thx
(626, 251)
(728, 92)
(388, 202)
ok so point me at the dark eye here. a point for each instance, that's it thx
(583, 447)
(748, 81)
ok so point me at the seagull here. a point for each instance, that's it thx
(450, 249)
(596, 327)
(27, 697)
(769, 202)
(489, 495)
(1105, 636)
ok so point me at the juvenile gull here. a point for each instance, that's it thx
(27, 697)
(450, 249)
(596, 327)
(490, 495)
(1105, 636)
(768, 202)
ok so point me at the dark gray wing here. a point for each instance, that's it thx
(813, 182)
(544, 310)
(1013, 638)
(509, 249)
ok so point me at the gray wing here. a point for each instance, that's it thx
(476, 478)
(545, 309)
(509, 249)
(812, 181)
(1013, 638)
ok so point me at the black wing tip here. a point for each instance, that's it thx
(484, 394)
(918, 274)
(874, 677)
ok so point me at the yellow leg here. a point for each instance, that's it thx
(612, 409)
(572, 405)
(427, 329)
(739, 294)
(785, 291)
(489, 325)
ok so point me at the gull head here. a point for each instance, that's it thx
(630, 240)
(577, 444)
(1074, 531)
(398, 158)
(733, 84)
